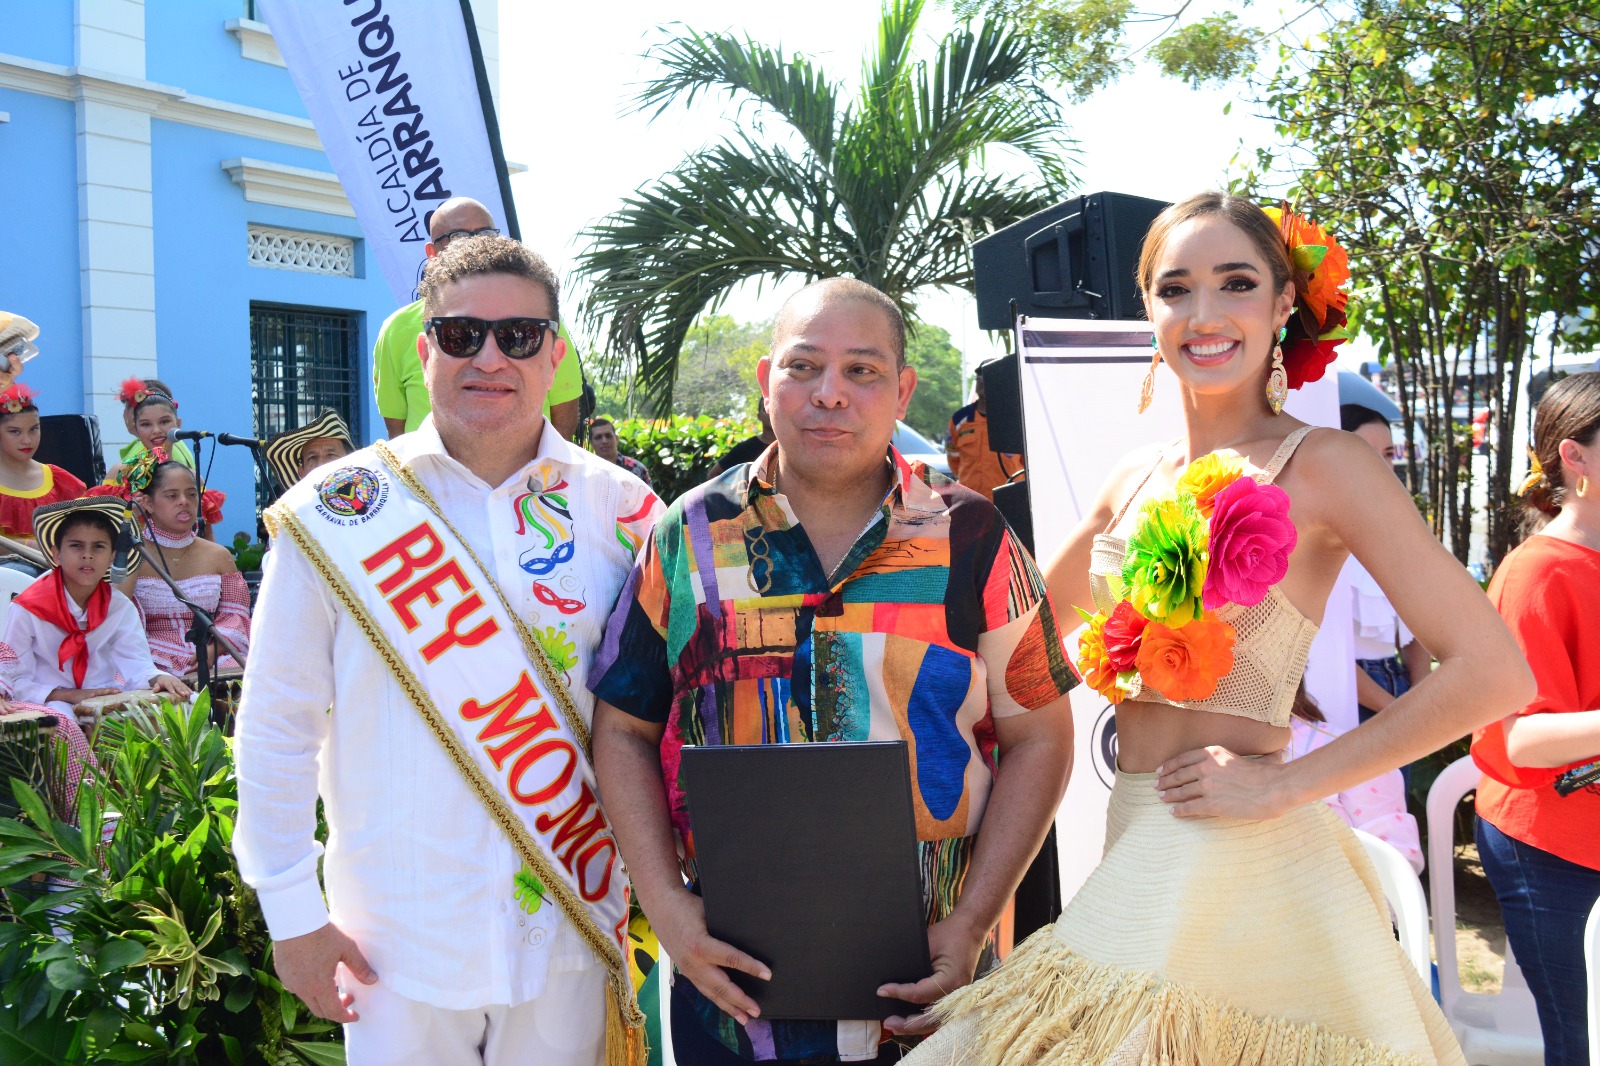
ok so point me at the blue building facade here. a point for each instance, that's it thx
(171, 214)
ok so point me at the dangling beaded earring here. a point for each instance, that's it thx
(1147, 390)
(1278, 380)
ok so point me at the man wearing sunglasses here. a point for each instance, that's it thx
(445, 594)
(396, 372)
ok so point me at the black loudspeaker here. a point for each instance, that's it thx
(1002, 398)
(1073, 260)
(1015, 505)
(72, 442)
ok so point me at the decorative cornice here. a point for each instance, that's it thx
(286, 186)
(159, 101)
(255, 41)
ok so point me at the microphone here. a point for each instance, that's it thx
(191, 434)
(233, 438)
(127, 541)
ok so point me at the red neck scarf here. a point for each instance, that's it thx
(46, 599)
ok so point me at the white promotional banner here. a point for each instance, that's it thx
(1080, 398)
(391, 87)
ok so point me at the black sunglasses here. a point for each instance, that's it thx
(445, 238)
(463, 337)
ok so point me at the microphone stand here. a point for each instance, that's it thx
(203, 629)
(263, 471)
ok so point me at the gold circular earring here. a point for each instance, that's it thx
(1582, 487)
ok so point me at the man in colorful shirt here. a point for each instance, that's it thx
(972, 461)
(831, 591)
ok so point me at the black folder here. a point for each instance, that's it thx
(807, 857)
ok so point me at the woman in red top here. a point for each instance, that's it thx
(25, 483)
(1539, 803)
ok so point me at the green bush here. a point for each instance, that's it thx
(680, 450)
(140, 943)
(247, 556)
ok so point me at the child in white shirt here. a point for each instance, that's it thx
(74, 636)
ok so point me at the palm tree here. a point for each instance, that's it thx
(888, 186)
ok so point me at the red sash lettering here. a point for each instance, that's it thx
(421, 549)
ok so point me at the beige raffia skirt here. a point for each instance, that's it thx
(1206, 942)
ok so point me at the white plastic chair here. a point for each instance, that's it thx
(1495, 1029)
(664, 992)
(1403, 889)
(12, 582)
(1591, 958)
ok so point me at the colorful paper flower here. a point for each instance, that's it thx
(1251, 538)
(1094, 661)
(1187, 662)
(1122, 630)
(1165, 566)
(1209, 475)
(1321, 271)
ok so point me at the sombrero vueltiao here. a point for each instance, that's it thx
(51, 519)
(284, 450)
(15, 332)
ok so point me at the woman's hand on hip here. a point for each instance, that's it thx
(1214, 782)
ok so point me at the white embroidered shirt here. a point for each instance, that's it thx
(415, 870)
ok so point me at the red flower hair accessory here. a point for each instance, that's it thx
(18, 398)
(1321, 272)
(133, 391)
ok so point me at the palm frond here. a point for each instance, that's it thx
(736, 212)
(742, 68)
(888, 67)
(957, 209)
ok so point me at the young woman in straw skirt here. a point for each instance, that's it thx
(1233, 919)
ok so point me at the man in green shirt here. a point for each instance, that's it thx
(397, 369)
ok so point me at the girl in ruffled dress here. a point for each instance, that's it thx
(169, 498)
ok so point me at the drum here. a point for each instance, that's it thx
(91, 712)
(226, 683)
(25, 745)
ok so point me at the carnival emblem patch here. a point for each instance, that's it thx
(351, 495)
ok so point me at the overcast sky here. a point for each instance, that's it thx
(568, 71)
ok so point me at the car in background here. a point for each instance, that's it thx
(913, 445)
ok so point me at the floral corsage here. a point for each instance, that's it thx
(1219, 538)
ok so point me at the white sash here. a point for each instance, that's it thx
(386, 551)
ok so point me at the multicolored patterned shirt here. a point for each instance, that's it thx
(935, 623)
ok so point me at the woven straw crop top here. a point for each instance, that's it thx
(1272, 638)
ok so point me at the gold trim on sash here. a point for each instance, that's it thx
(535, 650)
(625, 1022)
